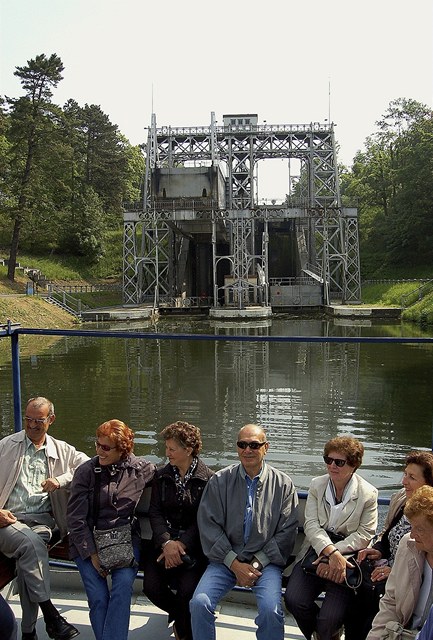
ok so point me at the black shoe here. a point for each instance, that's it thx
(30, 636)
(59, 629)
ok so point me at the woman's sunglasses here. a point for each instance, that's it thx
(104, 447)
(252, 445)
(339, 463)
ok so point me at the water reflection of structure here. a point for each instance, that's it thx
(236, 379)
(239, 381)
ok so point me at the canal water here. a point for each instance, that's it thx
(303, 393)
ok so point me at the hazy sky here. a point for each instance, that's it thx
(190, 57)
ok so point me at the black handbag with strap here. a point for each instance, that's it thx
(353, 577)
(378, 587)
(114, 546)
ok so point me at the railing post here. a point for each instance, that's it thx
(16, 381)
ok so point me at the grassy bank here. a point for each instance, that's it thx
(30, 311)
(402, 294)
(34, 312)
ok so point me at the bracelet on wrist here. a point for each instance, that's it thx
(165, 543)
(333, 551)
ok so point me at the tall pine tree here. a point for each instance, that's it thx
(32, 117)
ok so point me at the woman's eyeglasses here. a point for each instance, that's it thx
(104, 447)
(252, 445)
(338, 462)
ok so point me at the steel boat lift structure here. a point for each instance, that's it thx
(200, 237)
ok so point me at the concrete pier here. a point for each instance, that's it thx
(127, 312)
(249, 313)
(360, 311)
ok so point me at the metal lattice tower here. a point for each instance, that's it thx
(330, 231)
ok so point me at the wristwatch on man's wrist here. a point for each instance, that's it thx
(256, 564)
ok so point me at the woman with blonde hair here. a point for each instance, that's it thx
(117, 478)
(418, 471)
(409, 589)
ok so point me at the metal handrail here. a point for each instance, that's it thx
(419, 293)
(68, 302)
(83, 288)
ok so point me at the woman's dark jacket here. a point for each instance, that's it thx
(170, 518)
(394, 515)
(119, 494)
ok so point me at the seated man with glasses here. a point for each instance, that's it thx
(247, 519)
(35, 473)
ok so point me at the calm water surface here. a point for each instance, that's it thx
(303, 393)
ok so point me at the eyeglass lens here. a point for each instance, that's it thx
(104, 447)
(338, 462)
(37, 420)
(252, 445)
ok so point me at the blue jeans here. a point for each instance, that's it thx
(109, 610)
(216, 581)
(426, 632)
(7, 621)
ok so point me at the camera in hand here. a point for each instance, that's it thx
(187, 560)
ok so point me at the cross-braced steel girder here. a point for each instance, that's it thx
(242, 259)
(146, 272)
(352, 284)
(332, 234)
(130, 291)
(153, 265)
(337, 240)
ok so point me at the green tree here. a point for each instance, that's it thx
(133, 180)
(399, 117)
(105, 160)
(5, 192)
(102, 159)
(411, 232)
(84, 234)
(33, 118)
(385, 181)
(64, 173)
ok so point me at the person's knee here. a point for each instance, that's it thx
(32, 550)
(291, 600)
(296, 601)
(271, 609)
(30, 540)
(199, 602)
(124, 582)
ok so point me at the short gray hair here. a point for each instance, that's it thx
(40, 401)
